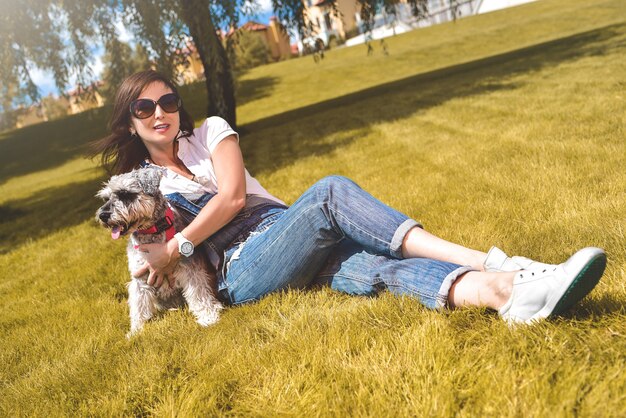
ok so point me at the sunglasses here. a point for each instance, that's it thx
(144, 108)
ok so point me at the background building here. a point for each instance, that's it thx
(273, 36)
(52, 107)
(346, 26)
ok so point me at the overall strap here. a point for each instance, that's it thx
(237, 230)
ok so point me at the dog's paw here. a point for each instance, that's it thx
(207, 317)
(133, 332)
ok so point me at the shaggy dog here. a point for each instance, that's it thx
(135, 205)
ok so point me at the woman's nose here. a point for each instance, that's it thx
(158, 112)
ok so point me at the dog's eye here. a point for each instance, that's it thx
(126, 195)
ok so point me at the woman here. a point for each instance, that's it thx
(335, 233)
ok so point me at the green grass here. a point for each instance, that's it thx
(503, 129)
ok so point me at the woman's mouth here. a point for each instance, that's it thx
(162, 127)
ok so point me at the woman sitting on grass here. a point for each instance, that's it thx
(335, 234)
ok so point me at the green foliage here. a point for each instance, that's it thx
(60, 34)
(34, 32)
(369, 9)
(8, 119)
(54, 107)
(120, 61)
(249, 51)
(505, 128)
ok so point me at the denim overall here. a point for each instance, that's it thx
(335, 234)
(256, 211)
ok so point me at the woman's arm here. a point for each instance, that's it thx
(221, 209)
(231, 195)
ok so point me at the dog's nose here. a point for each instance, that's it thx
(104, 216)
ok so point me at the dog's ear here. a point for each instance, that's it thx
(105, 192)
(149, 179)
(107, 186)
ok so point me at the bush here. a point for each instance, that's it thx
(249, 51)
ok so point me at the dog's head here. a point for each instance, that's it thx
(131, 201)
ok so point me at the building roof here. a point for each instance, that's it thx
(253, 26)
(250, 25)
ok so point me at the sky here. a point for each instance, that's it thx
(45, 81)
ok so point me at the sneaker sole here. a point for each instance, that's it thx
(587, 267)
(584, 283)
(580, 286)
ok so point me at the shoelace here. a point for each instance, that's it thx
(532, 273)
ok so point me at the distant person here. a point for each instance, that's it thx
(335, 234)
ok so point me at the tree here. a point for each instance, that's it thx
(30, 34)
(58, 35)
(249, 51)
(53, 107)
(120, 61)
(203, 28)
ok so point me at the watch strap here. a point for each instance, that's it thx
(185, 247)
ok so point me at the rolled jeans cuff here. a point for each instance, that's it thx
(444, 290)
(398, 237)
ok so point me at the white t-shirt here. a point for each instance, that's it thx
(195, 151)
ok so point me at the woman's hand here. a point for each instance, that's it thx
(231, 178)
(161, 259)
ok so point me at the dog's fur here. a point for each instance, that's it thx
(134, 202)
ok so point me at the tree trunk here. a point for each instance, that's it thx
(217, 71)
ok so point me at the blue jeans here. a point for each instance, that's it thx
(335, 234)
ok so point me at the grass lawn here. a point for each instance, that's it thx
(503, 129)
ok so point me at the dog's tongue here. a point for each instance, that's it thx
(115, 232)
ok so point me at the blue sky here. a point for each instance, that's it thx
(45, 81)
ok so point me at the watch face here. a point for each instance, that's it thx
(186, 248)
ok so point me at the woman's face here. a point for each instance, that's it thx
(159, 129)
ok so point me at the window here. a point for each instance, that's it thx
(329, 24)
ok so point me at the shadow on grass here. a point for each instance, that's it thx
(43, 146)
(195, 97)
(50, 144)
(402, 98)
(47, 212)
(607, 304)
(254, 89)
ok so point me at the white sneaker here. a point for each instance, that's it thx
(498, 261)
(539, 294)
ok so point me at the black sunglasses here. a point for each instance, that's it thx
(144, 108)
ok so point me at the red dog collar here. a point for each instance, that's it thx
(166, 224)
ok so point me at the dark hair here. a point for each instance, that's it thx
(122, 152)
